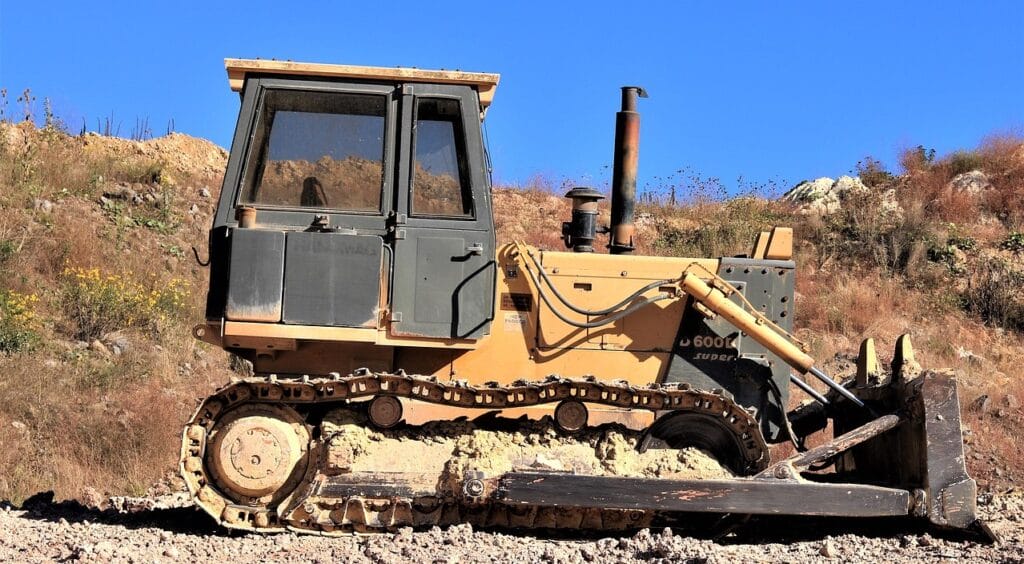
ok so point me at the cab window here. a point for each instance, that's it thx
(318, 150)
(440, 184)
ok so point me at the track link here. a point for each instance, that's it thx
(306, 502)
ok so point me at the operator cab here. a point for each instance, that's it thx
(356, 197)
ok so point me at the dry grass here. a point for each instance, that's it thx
(1000, 156)
(73, 416)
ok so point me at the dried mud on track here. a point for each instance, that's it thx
(167, 529)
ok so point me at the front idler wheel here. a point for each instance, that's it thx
(257, 454)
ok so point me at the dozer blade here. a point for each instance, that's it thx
(950, 495)
(911, 464)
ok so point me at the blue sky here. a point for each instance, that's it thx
(777, 91)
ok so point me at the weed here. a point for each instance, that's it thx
(872, 172)
(963, 242)
(723, 229)
(994, 293)
(917, 159)
(98, 302)
(19, 324)
(141, 131)
(173, 250)
(862, 231)
(4, 116)
(108, 127)
(960, 162)
(1013, 242)
(26, 100)
(8, 248)
(159, 217)
(52, 123)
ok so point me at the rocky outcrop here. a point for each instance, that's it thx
(972, 183)
(824, 196)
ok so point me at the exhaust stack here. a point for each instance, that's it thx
(624, 167)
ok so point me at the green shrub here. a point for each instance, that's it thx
(97, 302)
(960, 162)
(1013, 242)
(946, 254)
(917, 159)
(994, 293)
(18, 322)
(8, 248)
(872, 172)
(895, 242)
(963, 242)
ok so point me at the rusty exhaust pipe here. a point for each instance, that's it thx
(624, 167)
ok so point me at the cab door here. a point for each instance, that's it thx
(318, 171)
(443, 232)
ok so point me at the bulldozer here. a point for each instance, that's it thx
(407, 370)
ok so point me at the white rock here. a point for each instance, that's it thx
(42, 205)
(972, 183)
(809, 190)
(122, 191)
(117, 342)
(815, 197)
(848, 184)
(544, 462)
(99, 347)
(824, 196)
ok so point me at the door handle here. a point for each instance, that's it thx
(476, 249)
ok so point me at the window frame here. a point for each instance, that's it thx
(280, 214)
(459, 128)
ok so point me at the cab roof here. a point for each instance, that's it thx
(485, 83)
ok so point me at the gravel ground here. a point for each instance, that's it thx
(166, 528)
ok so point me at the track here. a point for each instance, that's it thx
(269, 454)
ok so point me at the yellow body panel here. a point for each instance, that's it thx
(526, 341)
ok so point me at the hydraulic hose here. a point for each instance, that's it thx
(600, 322)
(582, 311)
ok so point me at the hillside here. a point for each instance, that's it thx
(100, 290)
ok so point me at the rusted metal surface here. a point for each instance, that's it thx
(952, 494)
(385, 411)
(571, 415)
(246, 217)
(801, 461)
(377, 485)
(256, 450)
(748, 496)
(263, 333)
(579, 233)
(624, 170)
(256, 275)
